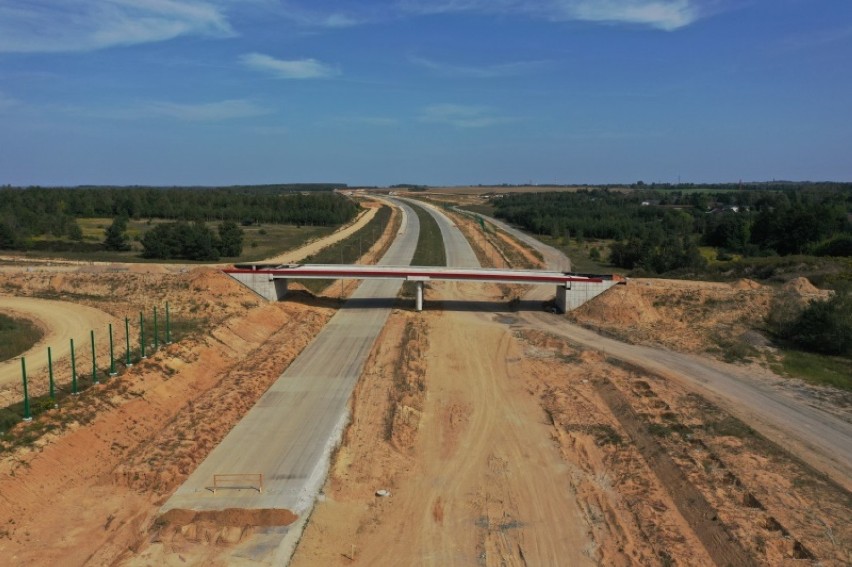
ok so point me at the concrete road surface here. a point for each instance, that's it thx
(458, 249)
(554, 259)
(288, 436)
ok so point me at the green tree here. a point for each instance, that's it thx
(8, 238)
(74, 231)
(116, 235)
(825, 326)
(230, 239)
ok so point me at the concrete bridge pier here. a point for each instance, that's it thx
(419, 285)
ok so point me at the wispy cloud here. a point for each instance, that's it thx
(85, 25)
(288, 69)
(463, 116)
(207, 111)
(315, 19)
(818, 38)
(366, 120)
(479, 72)
(661, 14)
(188, 112)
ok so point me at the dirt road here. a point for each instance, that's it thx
(60, 321)
(312, 248)
(821, 439)
(489, 485)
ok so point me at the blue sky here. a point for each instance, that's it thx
(413, 91)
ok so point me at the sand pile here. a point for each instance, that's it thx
(231, 517)
(802, 286)
(746, 283)
(215, 282)
(622, 305)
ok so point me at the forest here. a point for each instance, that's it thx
(29, 213)
(660, 231)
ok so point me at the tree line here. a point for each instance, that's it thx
(34, 212)
(660, 231)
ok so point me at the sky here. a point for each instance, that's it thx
(440, 92)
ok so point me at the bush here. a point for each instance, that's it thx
(824, 326)
(838, 246)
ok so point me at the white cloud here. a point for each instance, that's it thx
(189, 112)
(85, 25)
(660, 14)
(288, 69)
(462, 116)
(311, 19)
(478, 72)
(663, 14)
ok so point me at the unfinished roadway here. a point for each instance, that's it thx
(289, 434)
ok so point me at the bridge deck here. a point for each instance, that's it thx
(420, 273)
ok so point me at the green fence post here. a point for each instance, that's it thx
(94, 361)
(127, 362)
(156, 331)
(50, 372)
(27, 415)
(142, 334)
(168, 326)
(74, 391)
(112, 371)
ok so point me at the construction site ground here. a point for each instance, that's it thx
(498, 442)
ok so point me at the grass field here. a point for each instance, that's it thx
(430, 249)
(580, 255)
(17, 336)
(817, 369)
(260, 241)
(430, 245)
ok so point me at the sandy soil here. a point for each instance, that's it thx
(110, 457)
(692, 316)
(60, 321)
(661, 475)
(117, 451)
(467, 458)
(499, 444)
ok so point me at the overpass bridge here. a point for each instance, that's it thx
(572, 290)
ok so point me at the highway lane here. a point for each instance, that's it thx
(458, 249)
(290, 433)
(554, 259)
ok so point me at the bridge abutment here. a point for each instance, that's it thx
(574, 294)
(269, 288)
